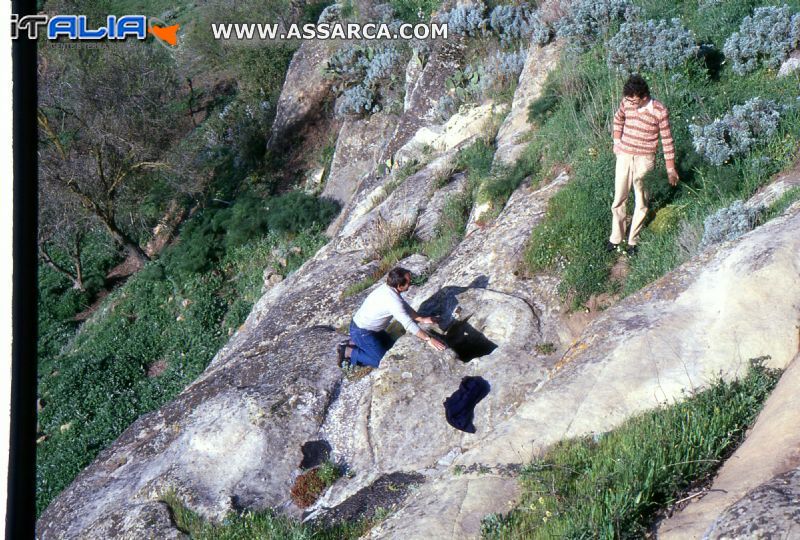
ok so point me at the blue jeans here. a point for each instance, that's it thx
(370, 346)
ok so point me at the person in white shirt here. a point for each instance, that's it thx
(369, 340)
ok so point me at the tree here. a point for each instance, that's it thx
(107, 120)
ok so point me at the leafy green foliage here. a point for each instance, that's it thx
(205, 239)
(413, 11)
(610, 486)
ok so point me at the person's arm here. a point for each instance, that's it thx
(432, 341)
(619, 124)
(668, 145)
(405, 314)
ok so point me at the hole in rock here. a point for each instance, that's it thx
(467, 342)
(315, 453)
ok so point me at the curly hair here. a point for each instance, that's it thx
(397, 277)
(636, 86)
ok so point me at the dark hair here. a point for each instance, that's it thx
(636, 86)
(397, 276)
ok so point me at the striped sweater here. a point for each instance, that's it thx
(636, 130)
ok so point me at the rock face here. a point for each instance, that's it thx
(772, 449)
(705, 319)
(772, 510)
(539, 62)
(304, 91)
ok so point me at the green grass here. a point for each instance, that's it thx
(573, 122)
(784, 202)
(612, 486)
(450, 229)
(264, 525)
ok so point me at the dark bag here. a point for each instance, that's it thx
(459, 408)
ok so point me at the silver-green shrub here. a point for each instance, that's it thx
(586, 20)
(519, 23)
(736, 132)
(767, 37)
(357, 100)
(358, 71)
(466, 20)
(651, 46)
(501, 69)
(728, 223)
(381, 66)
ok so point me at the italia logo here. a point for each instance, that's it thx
(76, 27)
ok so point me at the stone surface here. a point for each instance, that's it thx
(771, 448)
(231, 440)
(429, 218)
(771, 510)
(703, 320)
(469, 122)
(358, 147)
(450, 509)
(304, 91)
(422, 94)
(539, 62)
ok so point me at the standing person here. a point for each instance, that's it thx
(638, 122)
(369, 340)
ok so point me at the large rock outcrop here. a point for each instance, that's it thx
(702, 321)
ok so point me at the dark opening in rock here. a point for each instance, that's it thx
(315, 453)
(467, 342)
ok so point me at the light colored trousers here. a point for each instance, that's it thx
(629, 173)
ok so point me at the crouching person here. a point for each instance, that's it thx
(369, 340)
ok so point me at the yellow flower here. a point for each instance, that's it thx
(541, 500)
(548, 513)
(544, 519)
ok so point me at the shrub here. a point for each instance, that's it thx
(767, 37)
(381, 66)
(586, 20)
(737, 132)
(359, 72)
(414, 10)
(519, 23)
(348, 66)
(467, 20)
(729, 223)
(502, 70)
(651, 46)
(357, 100)
(296, 211)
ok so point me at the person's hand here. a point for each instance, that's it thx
(672, 177)
(436, 344)
(616, 148)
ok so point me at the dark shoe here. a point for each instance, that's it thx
(632, 250)
(611, 247)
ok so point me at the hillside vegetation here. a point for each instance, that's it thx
(735, 123)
